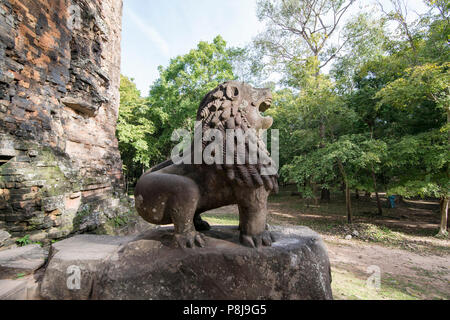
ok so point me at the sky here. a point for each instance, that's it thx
(154, 31)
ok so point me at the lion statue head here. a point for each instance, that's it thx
(237, 106)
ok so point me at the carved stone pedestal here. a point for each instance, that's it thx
(147, 267)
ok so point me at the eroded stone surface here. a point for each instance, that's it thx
(4, 238)
(60, 168)
(19, 289)
(82, 255)
(13, 290)
(21, 260)
(148, 267)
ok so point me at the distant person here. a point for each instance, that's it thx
(392, 201)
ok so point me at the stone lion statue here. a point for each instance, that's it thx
(179, 192)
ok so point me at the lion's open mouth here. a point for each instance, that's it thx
(265, 104)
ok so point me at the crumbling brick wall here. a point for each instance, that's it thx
(60, 168)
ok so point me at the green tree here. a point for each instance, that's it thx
(382, 118)
(366, 39)
(136, 126)
(422, 94)
(403, 100)
(299, 33)
(344, 160)
(426, 171)
(298, 42)
(299, 118)
(181, 86)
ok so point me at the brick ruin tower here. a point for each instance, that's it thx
(60, 167)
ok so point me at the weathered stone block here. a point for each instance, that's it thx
(57, 233)
(83, 253)
(24, 260)
(4, 237)
(38, 236)
(53, 203)
(19, 289)
(13, 290)
(46, 66)
(148, 267)
(80, 105)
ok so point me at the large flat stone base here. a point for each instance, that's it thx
(21, 261)
(20, 289)
(147, 267)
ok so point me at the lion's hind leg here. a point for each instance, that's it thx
(181, 208)
(181, 196)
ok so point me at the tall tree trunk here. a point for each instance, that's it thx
(445, 204)
(322, 134)
(444, 217)
(316, 199)
(356, 194)
(448, 222)
(348, 202)
(374, 179)
(325, 195)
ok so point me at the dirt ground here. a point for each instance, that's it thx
(403, 274)
(398, 248)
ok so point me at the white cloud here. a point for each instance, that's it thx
(148, 31)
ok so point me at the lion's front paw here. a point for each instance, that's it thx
(189, 240)
(263, 239)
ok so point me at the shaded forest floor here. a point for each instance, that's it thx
(413, 263)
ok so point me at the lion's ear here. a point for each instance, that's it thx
(232, 92)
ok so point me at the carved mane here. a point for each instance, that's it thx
(224, 108)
